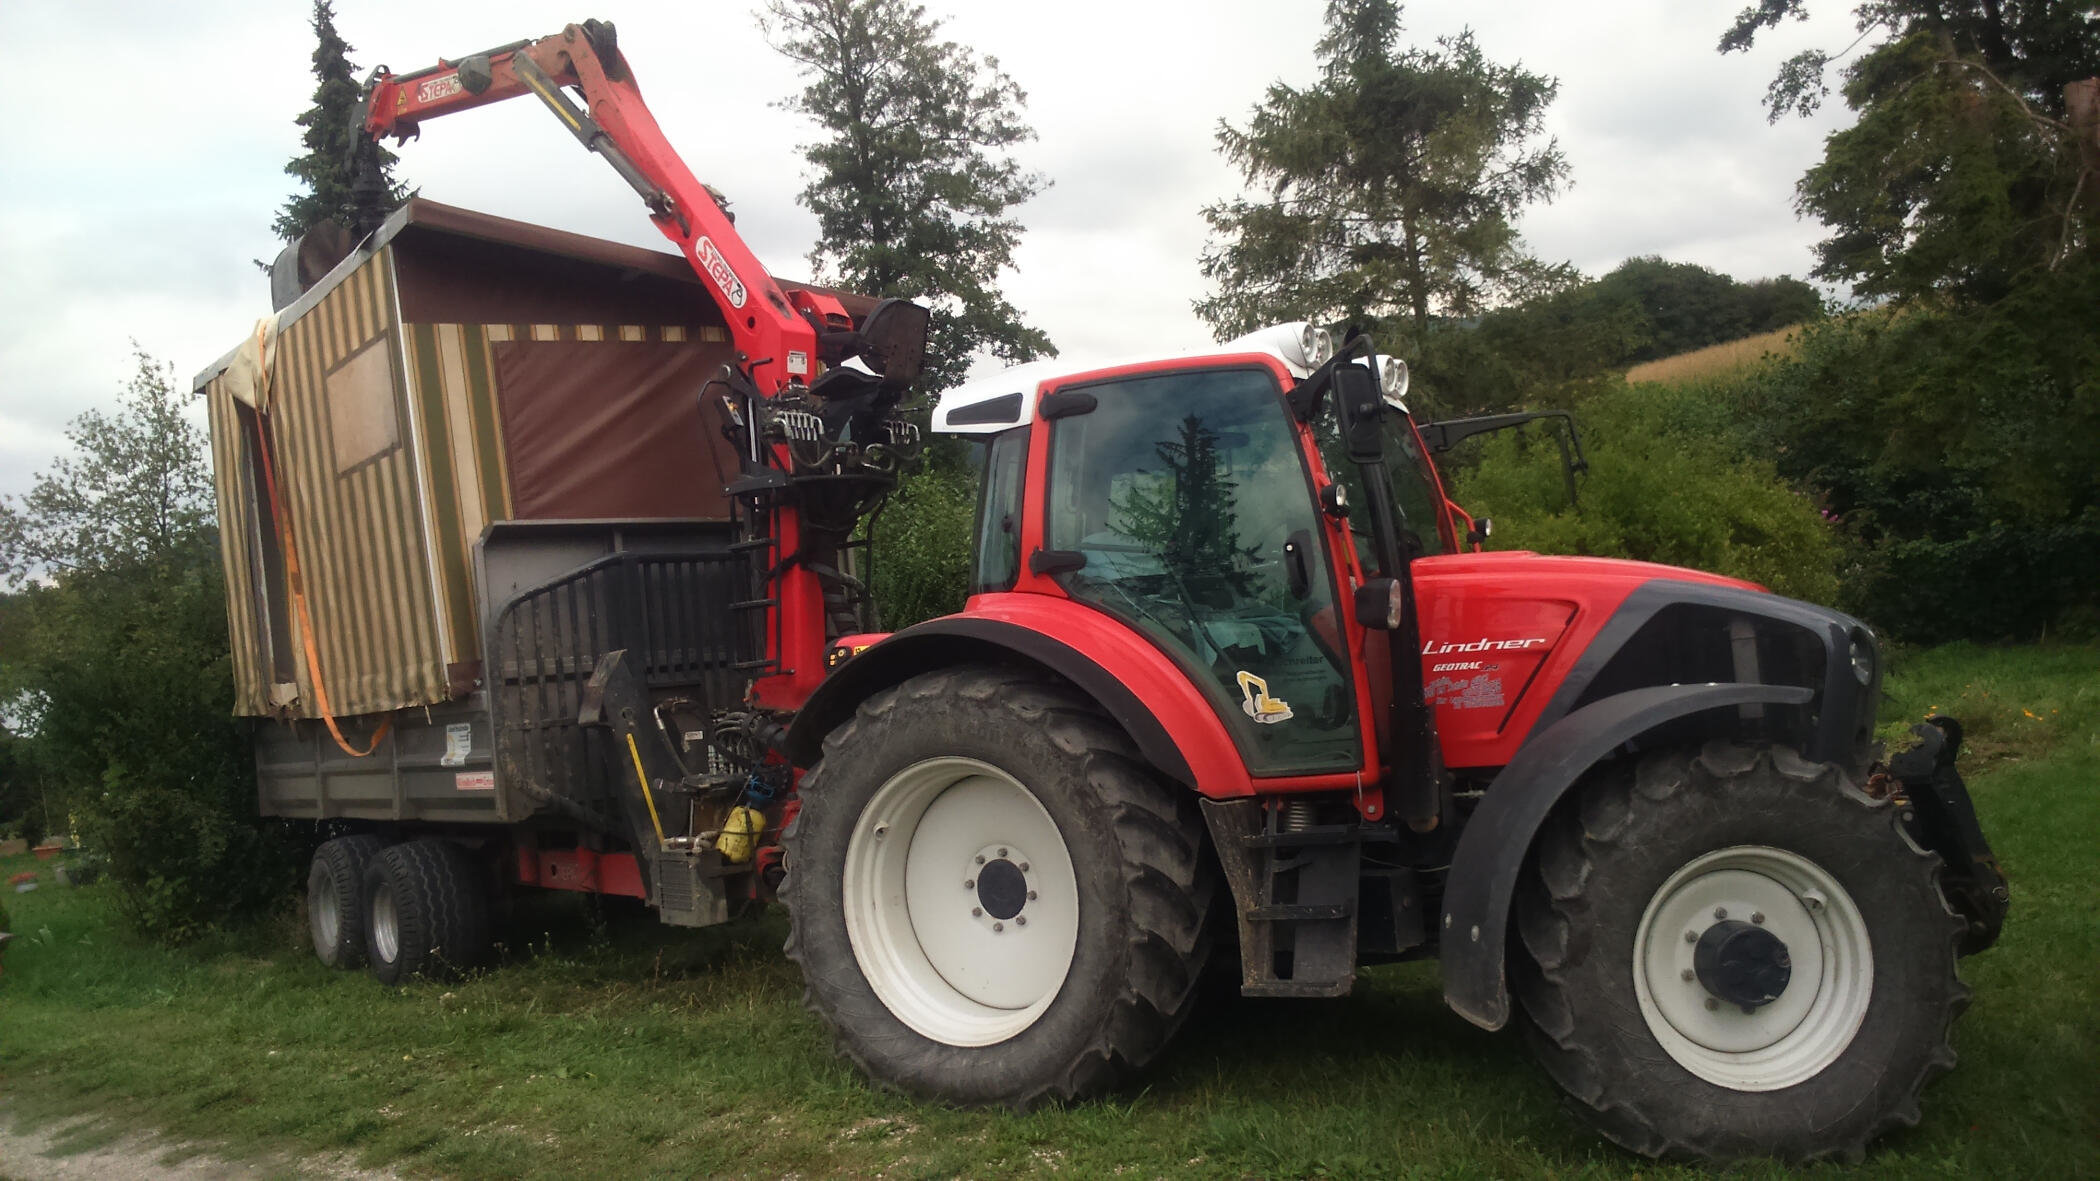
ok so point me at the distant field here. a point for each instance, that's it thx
(1716, 358)
(633, 1050)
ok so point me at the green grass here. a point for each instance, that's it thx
(633, 1050)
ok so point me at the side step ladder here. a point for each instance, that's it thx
(1296, 892)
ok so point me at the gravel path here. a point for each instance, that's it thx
(27, 1155)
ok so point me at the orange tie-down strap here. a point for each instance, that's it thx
(298, 588)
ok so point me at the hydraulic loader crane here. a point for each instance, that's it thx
(783, 336)
(1228, 681)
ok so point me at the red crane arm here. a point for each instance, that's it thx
(776, 344)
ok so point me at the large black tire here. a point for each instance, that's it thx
(1143, 886)
(335, 898)
(426, 912)
(1634, 844)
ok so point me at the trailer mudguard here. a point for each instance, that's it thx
(956, 638)
(1498, 837)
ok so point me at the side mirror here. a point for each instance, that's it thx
(1359, 397)
(1483, 528)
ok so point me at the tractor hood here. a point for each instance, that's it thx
(1512, 641)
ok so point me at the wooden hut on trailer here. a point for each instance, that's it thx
(460, 411)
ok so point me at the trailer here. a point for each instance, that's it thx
(462, 468)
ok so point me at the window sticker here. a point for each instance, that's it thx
(1259, 705)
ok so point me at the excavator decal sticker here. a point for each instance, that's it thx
(1259, 705)
(718, 269)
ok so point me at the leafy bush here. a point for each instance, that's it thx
(922, 544)
(117, 667)
(1663, 486)
(1960, 447)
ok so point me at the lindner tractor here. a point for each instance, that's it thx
(1234, 683)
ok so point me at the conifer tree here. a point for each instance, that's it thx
(328, 168)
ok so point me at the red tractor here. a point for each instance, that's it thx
(1234, 684)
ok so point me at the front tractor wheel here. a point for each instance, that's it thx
(1733, 952)
(994, 901)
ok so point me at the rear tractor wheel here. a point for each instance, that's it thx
(994, 901)
(1734, 952)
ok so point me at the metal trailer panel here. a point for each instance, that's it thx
(557, 595)
(435, 766)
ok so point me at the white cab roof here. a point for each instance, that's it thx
(1004, 400)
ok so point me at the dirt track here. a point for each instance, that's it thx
(27, 1155)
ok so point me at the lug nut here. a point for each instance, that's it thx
(969, 883)
(998, 927)
(1685, 975)
(1020, 920)
(1024, 867)
(1712, 1004)
(1720, 912)
(980, 859)
(1758, 917)
(1749, 1010)
(1031, 895)
(1691, 936)
(977, 912)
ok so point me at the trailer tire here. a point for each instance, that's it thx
(335, 898)
(426, 912)
(1018, 768)
(1817, 1038)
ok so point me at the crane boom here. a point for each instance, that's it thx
(820, 449)
(776, 343)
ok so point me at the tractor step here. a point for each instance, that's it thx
(1296, 895)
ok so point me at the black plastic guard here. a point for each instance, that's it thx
(1497, 839)
(1943, 819)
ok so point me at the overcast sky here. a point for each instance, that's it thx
(141, 162)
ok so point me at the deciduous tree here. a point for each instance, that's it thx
(1962, 174)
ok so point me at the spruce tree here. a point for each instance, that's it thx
(913, 186)
(328, 168)
(1387, 191)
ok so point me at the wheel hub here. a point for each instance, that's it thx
(1002, 889)
(1742, 963)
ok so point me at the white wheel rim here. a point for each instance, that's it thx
(1793, 1037)
(327, 920)
(386, 924)
(960, 901)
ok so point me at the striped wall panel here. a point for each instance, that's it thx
(359, 532)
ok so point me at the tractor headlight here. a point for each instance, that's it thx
(1392, 381)
(1863, 658)
(1316, 344)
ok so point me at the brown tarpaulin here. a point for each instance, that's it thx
(612, 428)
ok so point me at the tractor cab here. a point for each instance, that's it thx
(1217, 507)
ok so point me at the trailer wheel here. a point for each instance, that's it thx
(1734, 952)
(335, 898)
(993, 899)
(426, 912)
